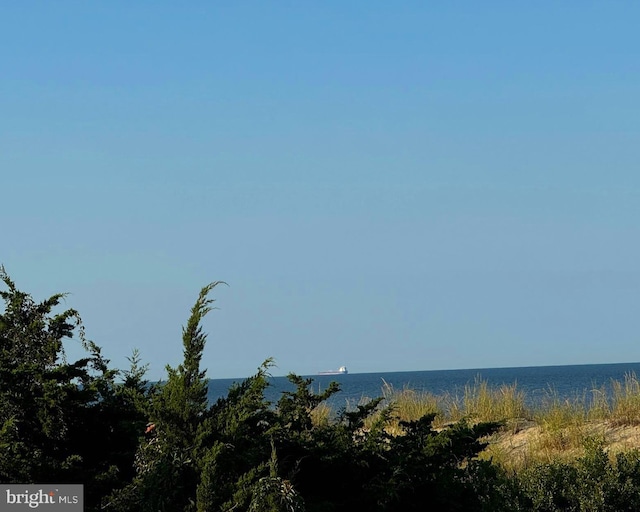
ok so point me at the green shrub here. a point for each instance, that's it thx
(591, 483)
(62, 421)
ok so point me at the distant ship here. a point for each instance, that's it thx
(340, 371)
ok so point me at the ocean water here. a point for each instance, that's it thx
(539, 383)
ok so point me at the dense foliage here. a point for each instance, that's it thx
(141, 447)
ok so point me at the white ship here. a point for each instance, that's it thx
(340, 371)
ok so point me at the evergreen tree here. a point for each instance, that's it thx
(59, 422)
(167, 470)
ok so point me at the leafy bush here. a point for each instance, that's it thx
(592, 483)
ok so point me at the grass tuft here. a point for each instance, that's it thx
(625, 401)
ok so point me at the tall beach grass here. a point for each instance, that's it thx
(552, 428)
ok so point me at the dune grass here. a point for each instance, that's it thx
(321, 414)
(484, 403)
(625, 403)
(555, 429)
(507, 403)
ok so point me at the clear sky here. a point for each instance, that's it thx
(384, 185)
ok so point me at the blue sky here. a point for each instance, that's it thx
(388, 186)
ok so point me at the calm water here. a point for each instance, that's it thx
(567, 382)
